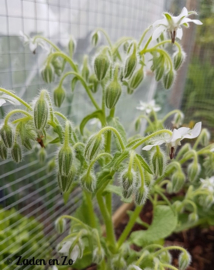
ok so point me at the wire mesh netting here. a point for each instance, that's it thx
(29, 197)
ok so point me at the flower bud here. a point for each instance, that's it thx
(118, 263)
(93, 146)
(42, 155)
(47, 73)
(137, 78)
(159, 72)
(60, 225)
(101, 66)
(127, 179)
(57, 65)
(178, 59)
(93, 83)
(168, 79)
(98, 255)
(166, 257)
(127, 192)
(208, 201)
(137, 124)
(169, 187)
(177, 205)
(178, 119)
(41, 112)
(184, 149)
(184, 260)
(59, 96)
(130, 65)
(193, 217)
(141, 195)
(85, 68)
(112, 93)
(16, 153)
(95, 38)
(51, 165)
(7, 136)
(193, 171)
(88, 181)
(65, 159)
(158, 161)
(26, 143)
(65, 182)
(71, 47)
(178, 180)
(3, 151)
(205, 137)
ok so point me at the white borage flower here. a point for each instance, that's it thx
(208, 183)
(76, 252)
(173, 24)
(54, 268)
(148, 107)
(33, 44)
(4, 98)
(175, 139)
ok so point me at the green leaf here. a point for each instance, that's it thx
(117, 190)
(163, 224)
(103, 178)
(144, 164)
(138, 220)
(97, 114)
(133, 142)
(85, 261)
(114, 122)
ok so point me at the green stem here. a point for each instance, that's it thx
(66, 57)
(61, 115)
(167, 248)
(147, 119)
(162, 43)
(47, 40)
(90, 209)
(16, 97)
(106, 36)
(13, 112)
(143, 36)
(152, 135)
(169, 266)
(108, 221)
(169, 114)
(84, 85)
(109, 128)
(78, 144)
(99, 156)
(129, 226)
(75, 219)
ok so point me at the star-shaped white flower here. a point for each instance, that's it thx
(208, 184)
(4, 98)
(175, 139)
(33, 44)
(148, 107)
(76, 251)
(173, 24)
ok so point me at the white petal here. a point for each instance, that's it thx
(149, 147)
(136, 267)
(160, 22)
(55, 268)
(186, 20)
(2, 101)
(193, 133)
(157, 108)
(65, 247)
(26, 38)
(160, 29)
(184, 12)
(179, 33)
(32, 46)
(75, 253)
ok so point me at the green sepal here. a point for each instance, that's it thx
(144, 164)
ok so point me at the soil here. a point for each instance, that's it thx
(198, 241)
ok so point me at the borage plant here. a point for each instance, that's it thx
(95, 161)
